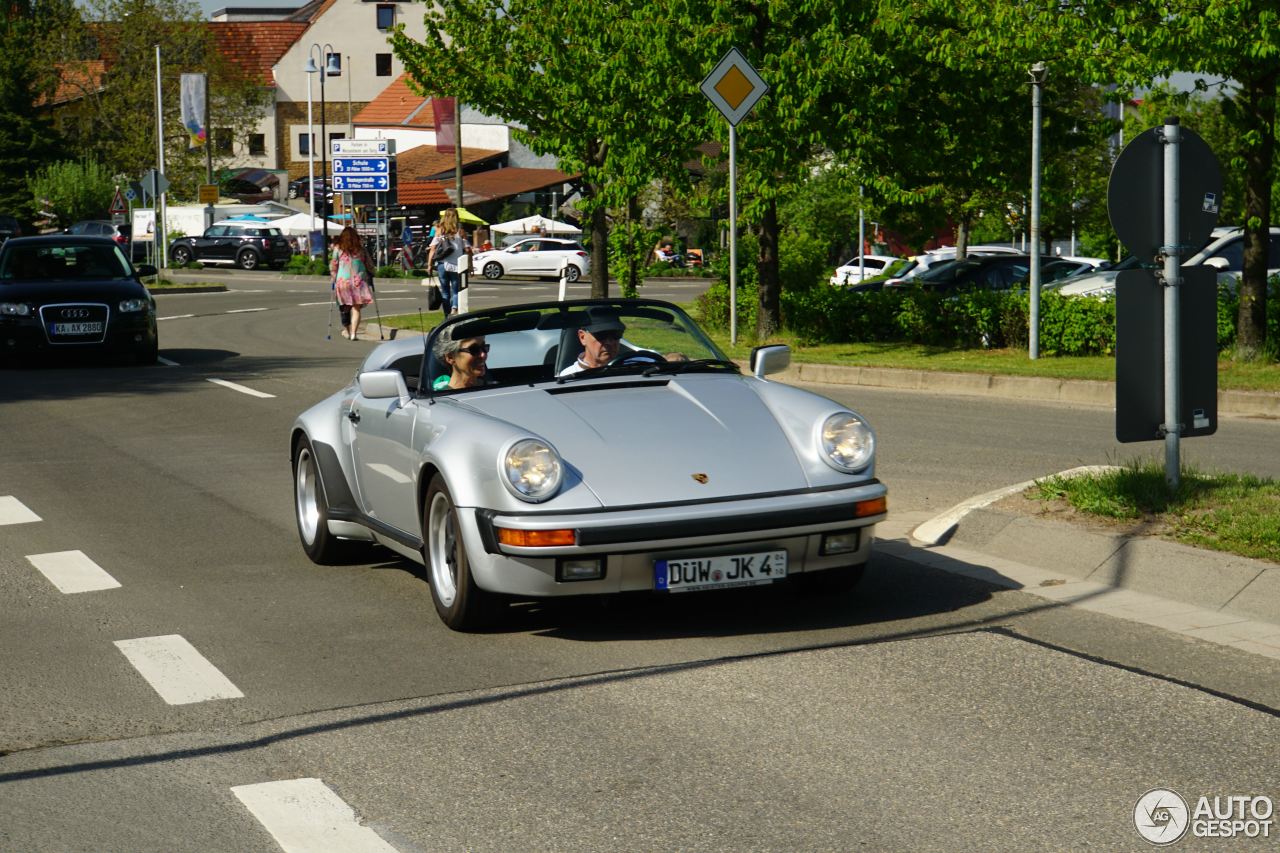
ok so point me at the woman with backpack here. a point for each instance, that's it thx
(352, 281)
(447, 247)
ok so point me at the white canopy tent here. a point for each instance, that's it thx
(526, 225)
(301, 224)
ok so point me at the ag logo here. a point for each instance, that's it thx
(1161, 816)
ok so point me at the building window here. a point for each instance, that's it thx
(222, 139)
(386, 17)
(382, 64)
(257, 144)
(304, 145)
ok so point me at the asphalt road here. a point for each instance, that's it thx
(927, 711)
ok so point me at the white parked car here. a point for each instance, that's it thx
(871, 266)
(541, 257)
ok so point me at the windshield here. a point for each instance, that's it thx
(563, 341)
(45, 262)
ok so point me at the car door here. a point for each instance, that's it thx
(520, 259)
(206, 244)
(384, 460)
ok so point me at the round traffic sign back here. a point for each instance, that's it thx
(1136, 191)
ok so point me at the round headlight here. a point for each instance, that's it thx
(532, 470)
(131, 305)
(847, 442)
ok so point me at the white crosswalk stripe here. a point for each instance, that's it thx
(12, 511)
(73, 571)
(179, 673)
(241, 388)
(305, 816)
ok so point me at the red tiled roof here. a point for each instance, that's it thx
(398, 106)
(256, 46)
(75, 80)
(422, 193)
(422, 161)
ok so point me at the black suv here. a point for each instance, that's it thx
(246, 245)
(9, 227)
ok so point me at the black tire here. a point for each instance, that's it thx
(248, 260)
(293, 192)
(148, 355)
(572, 273)
(311, 509)
(832, 582)
(180, 255)
(461, 604)
(492, 270)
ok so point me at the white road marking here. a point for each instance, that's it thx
(237, 290)
(72, 572)
(167, 362)
(176, 317)
(326, 302)
(12, 511)
(402, 299)
(179, 673)
(244, 310)
(305, 815)
(242, 389)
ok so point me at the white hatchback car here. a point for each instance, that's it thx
(541, 257)
(872, 266)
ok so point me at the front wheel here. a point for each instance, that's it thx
(493, 270)
(180, 255)
(461, 604)
(248, 260)
(311, 509)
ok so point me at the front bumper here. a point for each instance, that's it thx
(124, 333)
(632, 540)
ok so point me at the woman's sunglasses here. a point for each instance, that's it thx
(475, 349)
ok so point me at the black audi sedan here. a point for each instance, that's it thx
(74, 294)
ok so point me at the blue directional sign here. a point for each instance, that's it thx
(360, 166)
(355, 183)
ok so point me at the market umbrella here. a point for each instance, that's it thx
(467, 216)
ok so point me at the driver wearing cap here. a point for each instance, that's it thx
(600, 337)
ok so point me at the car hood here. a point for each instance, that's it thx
(662, 439)
(47, 292)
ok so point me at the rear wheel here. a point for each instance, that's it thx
(312, 510)
(492, 270)
(462, 605)
(248, 260)
(572, 273)
(180, 255)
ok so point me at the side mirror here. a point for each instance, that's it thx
(774, 358)
(384, 385)
(145, 271)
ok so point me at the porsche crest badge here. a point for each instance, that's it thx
(701, 478)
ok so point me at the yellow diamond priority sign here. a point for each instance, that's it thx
(734, 86)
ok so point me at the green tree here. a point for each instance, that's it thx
(74, 190)
(598, 85)
(27, 137)
(117, 123)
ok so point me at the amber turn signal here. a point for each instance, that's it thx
(536, 538)
(876, 506)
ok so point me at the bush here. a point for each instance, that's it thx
(305, 265)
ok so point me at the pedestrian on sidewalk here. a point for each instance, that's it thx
(352, 282)
(447, 247)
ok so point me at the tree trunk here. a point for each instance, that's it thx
(1258, 104)
(769, 312)
(962, 237)
(599, 249)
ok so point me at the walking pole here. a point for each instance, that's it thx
(328, 336)
(377, 310)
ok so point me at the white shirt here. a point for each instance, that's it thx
(576, 367)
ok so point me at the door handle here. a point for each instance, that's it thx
(354, 416)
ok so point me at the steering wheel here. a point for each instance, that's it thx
(639, 356)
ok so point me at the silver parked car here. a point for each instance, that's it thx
(489, 452)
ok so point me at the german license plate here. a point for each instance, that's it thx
(729, 570)
(76, 328)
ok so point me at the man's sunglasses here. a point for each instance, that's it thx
(475, 349)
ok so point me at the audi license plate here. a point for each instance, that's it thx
(76, 329)
(729, 570)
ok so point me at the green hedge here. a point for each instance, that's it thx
(1068, 325)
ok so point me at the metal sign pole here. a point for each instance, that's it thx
(733, 235)
(1172, 251)
(1037, 85)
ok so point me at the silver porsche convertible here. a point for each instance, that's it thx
(585, 447)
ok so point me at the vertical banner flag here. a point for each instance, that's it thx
(446, 115)
(193, 98)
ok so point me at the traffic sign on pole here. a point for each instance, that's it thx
(117, 203)
(361, 165)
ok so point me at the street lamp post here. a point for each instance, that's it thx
(332, 68)
(1037, 85)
